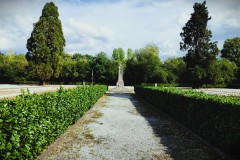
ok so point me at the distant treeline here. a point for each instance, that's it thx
(46, 61)
(140, 66)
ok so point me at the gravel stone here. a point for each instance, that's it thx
(130, 129)
(11, 90)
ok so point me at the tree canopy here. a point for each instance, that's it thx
(13, 68)
(146, 67)
(201, 52)
(130, 53)
(231, 50)
(118, 55)
(45, 46)
(46, 60)
(175, 68)
(225, 71)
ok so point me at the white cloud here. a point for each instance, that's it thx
(183, 18)
(224, 15)
(88, 30)
(91, 27)
(4, 40)
(86, 37)
(168, 48)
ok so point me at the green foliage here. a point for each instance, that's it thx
(105, 71)
(145, 67)
(69, 69)
(175, 68)
(150, 49)
(214, 118)
(43, 71)
(132, 72)
(13, 67)
(201, 53)
(231, 50)
(118, 55)
(225, 71)
(45, 46)
(76, 68)
(31, 122)
(130, 53)
(150, 65)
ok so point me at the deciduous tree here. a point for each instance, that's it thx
(146, 67)
(231, 50)
(225, 71)
(118, 55)
(105, 70)
(130, 53)
(13, 67)
(175, 68)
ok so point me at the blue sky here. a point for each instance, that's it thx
(91, 26)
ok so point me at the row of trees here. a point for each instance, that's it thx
(202, 66)
(141, 66)
(14, 68)
(45, 59)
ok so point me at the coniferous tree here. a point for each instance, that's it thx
(45, 46)
(201, 52)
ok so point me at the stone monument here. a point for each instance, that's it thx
(120, 82)
(120, 88)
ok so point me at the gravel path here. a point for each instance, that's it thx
(121, 126)
(221, 91)
(11, 90)
(216, 91)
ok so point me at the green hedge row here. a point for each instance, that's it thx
(214, 118)
(31, 122)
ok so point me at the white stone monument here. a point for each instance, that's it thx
(120, 88)
(120, 82)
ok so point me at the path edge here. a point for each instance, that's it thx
(55, 143)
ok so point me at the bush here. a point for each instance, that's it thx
(31, 122)
(234, 86)
(214, 118)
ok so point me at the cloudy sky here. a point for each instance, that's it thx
(91, 26)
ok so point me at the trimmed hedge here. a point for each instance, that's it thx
(214, 118)
(31, 122)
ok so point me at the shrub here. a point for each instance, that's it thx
(31, 122)
(214, 118)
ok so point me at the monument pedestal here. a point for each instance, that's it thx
(120, 83)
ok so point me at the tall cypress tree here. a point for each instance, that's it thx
(45, 46)
(201, 52)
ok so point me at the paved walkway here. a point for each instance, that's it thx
(123, 127)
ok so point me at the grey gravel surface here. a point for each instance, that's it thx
(121, 126)
(216, 91)
(12, 90)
